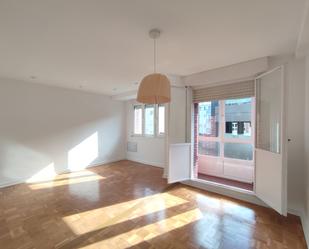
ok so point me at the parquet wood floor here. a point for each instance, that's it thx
(129, 205)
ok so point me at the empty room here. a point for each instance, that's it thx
(154, 124)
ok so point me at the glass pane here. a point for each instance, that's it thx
(238, 151)
(238, 118)
(138, 120)
(269, 112)
(208, 119)
(161, 121)
(209, 148)
(149, 119)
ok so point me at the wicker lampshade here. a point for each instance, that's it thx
(154, 89)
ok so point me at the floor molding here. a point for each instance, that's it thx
(305, 224)
(12, 183)
(156, 164)
(295, 212)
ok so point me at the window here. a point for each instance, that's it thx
(238, 128)
(208, 128)
(238, 118)
(209, 119)
(149, 120)
(138, 120)
(208, 148)
(161, 120)
(225, 129)
(238, 151)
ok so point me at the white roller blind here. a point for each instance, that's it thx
(230, 91)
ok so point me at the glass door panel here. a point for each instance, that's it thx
(238, 118)
(208, 125)
(238, 139)
(238, 151)
(268, 93)
(209, 147)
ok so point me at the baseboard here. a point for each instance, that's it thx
(156, 164)
(105, 162)
(295, 212)
(305, 224)
(12, 183)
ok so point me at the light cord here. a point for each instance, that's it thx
(154, 55)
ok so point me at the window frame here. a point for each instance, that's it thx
(133, 132)
(156, 121)
(223, 140)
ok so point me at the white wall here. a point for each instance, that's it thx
(69, 129)
(296, 153)
(177, 116)
(305, 218)
(150, 150)
(295, 80)
(177, 111)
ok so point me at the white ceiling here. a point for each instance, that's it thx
(103, 46)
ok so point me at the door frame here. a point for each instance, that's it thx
(221, 140)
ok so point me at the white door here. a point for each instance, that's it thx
(271, 170)
(179, 162)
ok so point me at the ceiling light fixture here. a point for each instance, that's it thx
(155, 88)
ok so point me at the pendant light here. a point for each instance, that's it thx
(155, 88)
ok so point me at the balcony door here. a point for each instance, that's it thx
(225, 135)
(271, 154)
(224, 139)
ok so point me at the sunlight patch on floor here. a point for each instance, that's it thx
(96, 219)
(68, 179)
(148, 232)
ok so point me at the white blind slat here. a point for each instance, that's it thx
(231, 91)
